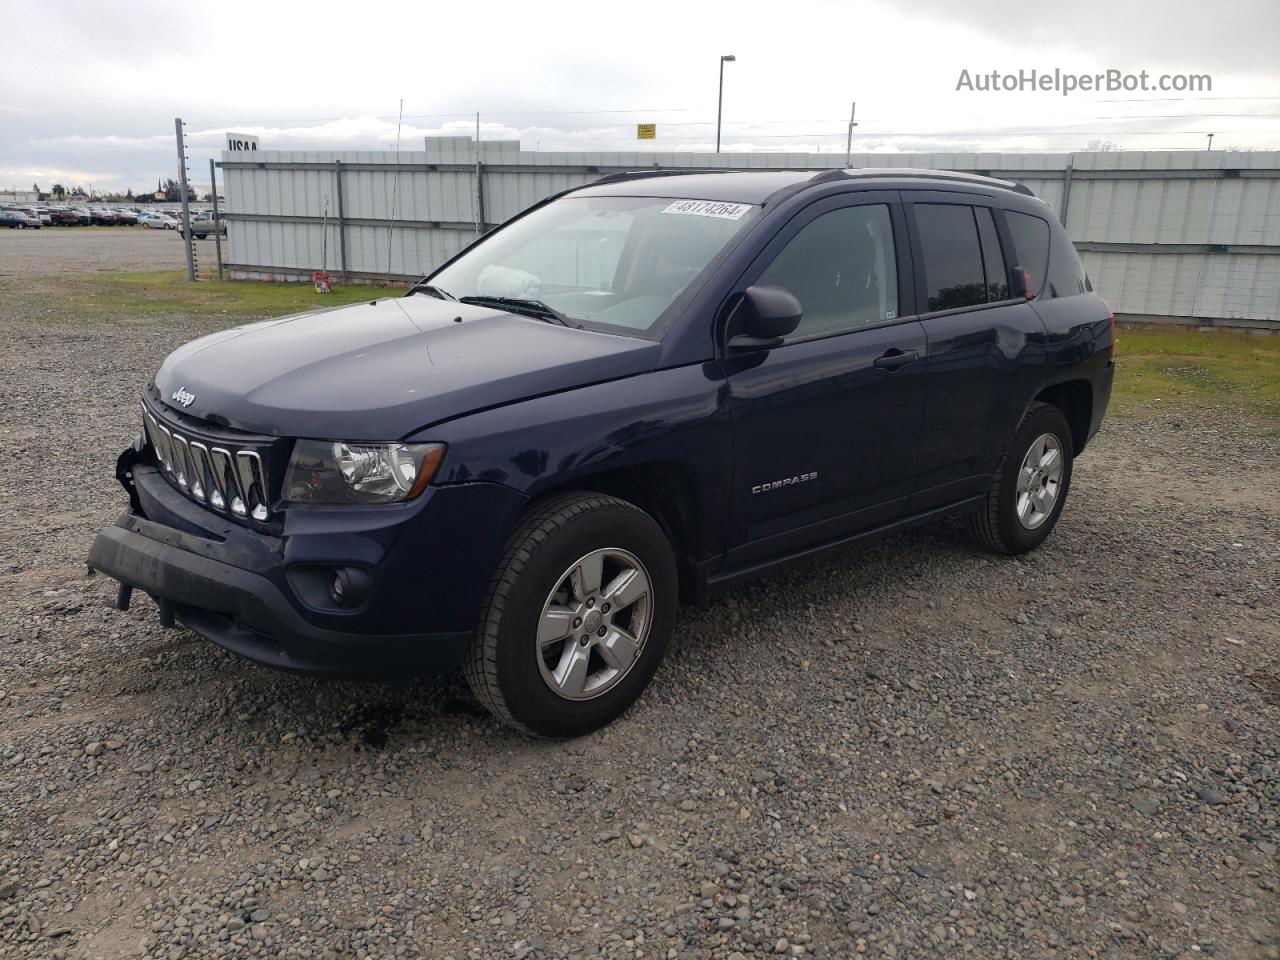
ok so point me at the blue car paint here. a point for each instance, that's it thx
(526, 408)
(382, 370)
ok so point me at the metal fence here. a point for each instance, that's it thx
(1191, 237)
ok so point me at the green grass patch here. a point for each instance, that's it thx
(1171, 368)
(1159, 369)
(137, 295)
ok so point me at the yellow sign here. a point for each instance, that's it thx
(646, 131)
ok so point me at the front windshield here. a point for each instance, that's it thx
(613, 261)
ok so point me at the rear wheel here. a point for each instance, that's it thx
(578, 618)
(1030, 485)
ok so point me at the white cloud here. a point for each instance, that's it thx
(576, 75)
(24, 176)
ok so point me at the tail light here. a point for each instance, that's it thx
(1111, 326)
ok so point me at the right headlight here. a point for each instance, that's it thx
(331, 471)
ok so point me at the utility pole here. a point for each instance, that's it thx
(727, 58)
(188, 238)
(848, 142)
(1210, 147)
(217, 223)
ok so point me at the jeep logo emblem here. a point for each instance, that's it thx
(182, 396)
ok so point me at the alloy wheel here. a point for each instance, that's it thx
(594, 624)
(1039, 481)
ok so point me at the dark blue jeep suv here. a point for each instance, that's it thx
(637, 391)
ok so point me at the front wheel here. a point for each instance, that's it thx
(578, 618)
(1030, 486)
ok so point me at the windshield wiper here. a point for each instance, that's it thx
(437, 292)
(533, 308)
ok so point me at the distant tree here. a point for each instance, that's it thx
(1102, 146)
(36, 188)
(59, 191)
(173, 190)
(78, 192)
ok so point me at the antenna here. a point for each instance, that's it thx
(395, 187)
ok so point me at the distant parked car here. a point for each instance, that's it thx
(205, 225)
(103, 217)
(126, 218)
(158, 221)
(14, 220)
(64, 217)
(32, 218)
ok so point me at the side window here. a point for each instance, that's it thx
(842, 269)
(953, 270)
(993, 264)
(1031, 245)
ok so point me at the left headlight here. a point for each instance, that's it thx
(328, 471)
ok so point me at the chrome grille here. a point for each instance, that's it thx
(226, 480)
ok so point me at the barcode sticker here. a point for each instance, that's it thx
(708, 208)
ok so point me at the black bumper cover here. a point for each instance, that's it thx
(247, 614)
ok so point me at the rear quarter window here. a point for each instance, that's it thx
(1031, 246)
(1066, 273)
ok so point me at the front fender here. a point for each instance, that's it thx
(555, 442)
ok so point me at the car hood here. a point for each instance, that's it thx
(385, 369)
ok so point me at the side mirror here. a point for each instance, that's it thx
(764, 316)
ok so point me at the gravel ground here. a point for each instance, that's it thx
(913, 750)
(51, 251)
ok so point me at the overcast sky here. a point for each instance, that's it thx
(89, 90)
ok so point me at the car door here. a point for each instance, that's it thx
(825, 425)
(986, 346)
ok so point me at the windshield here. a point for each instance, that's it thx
(608, 261)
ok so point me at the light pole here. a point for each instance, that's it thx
(848, 142)
(727, 58)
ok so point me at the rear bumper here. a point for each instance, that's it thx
(1102, 383)
(247, 614)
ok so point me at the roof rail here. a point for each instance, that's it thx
(916, 173)
(645, 174)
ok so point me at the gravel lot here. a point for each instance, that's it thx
(51, 251)
(914, 750)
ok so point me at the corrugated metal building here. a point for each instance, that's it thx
(1192, 236)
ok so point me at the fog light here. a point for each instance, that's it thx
(348, 588)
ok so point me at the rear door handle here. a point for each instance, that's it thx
(895, 358)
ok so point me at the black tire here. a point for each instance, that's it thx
(996, 525)
(502, 665)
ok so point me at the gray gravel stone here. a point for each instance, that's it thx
(1025, 730)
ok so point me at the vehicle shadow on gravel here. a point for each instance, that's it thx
(377, 715)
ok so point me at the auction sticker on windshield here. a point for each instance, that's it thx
(709, 208)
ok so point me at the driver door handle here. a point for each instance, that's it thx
(895, 358)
